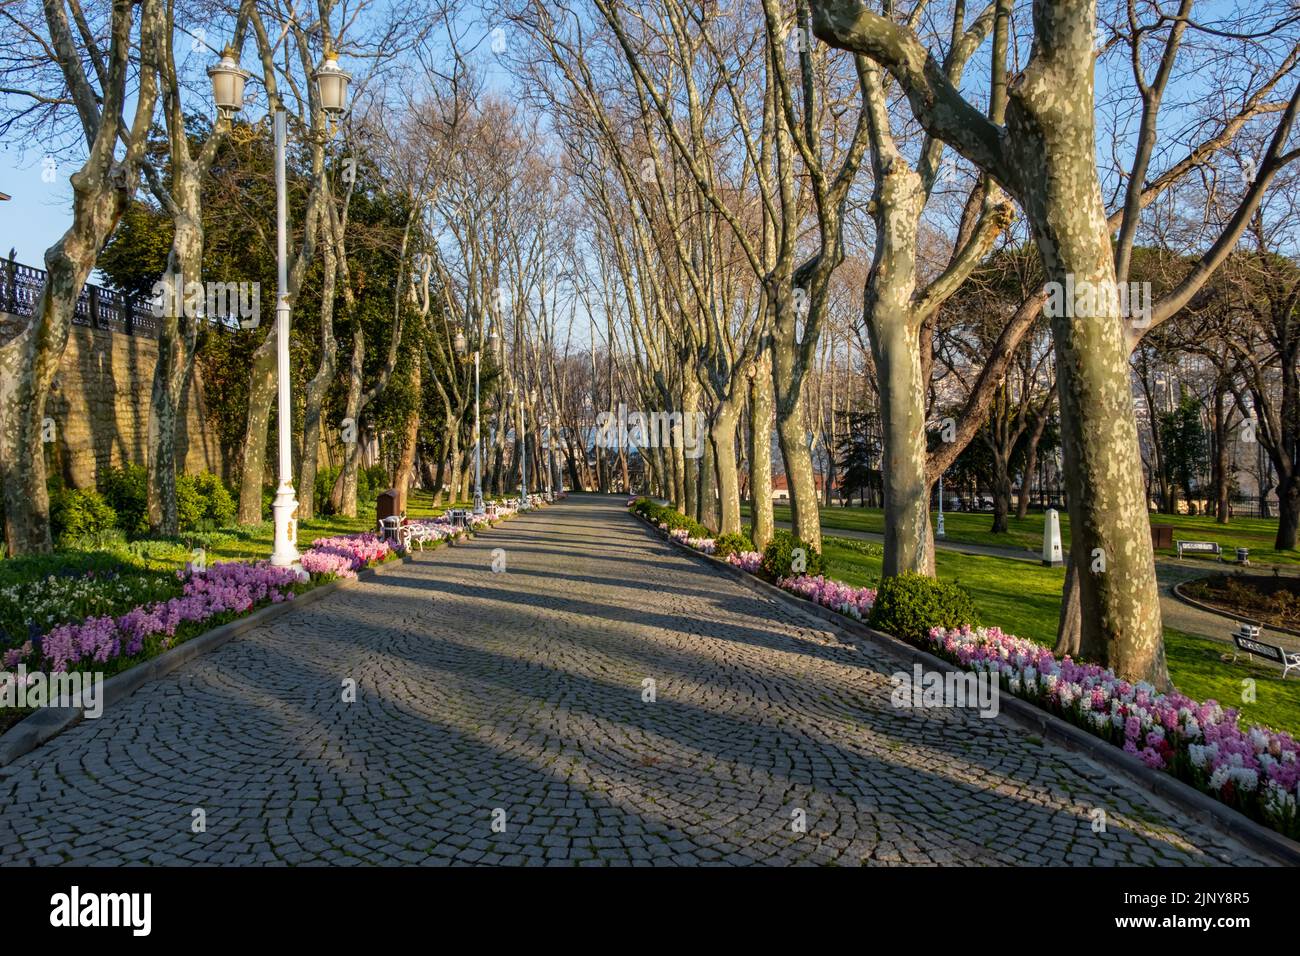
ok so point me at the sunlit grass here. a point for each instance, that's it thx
(1025, 599)
(961, 527)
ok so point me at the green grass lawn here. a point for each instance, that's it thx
(1025, 599)
(1257, 534)
(245, 543)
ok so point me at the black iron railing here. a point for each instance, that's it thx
(97, 307)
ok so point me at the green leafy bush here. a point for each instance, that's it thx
(189, 503)
(663, 514)
(219, 506)
(124, 489)
(908, 605)
(371, 482)
(780, 553)
(80, 513)
(726, 545)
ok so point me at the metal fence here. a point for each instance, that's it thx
(97, 307)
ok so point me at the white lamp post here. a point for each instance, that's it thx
(461, 346)
(228, 93)
(939, 532)
(523, 451)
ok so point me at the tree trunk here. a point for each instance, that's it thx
(406, 461)
(902, 422)
(317, 388)
(1288, 512)
(760, 465)
(177, 335)
(261, 392)
(1069, 626)
(1031, 462)
(708, 497)
(1001, 493)
(343, 497)
(1118, 596)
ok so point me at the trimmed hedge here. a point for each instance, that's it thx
(661, 514)
(726, 545)
(908, 605)
(779, 557)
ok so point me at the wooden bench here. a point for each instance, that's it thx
(1199, 547)
(1247, 641)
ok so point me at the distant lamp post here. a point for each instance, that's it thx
(462, 345)
(228, 83)
(523, 450)
(939, 533)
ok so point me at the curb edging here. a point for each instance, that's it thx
(1200, 806)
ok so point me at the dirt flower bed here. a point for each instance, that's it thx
(1270, 600)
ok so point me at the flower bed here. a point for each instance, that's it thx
(846, 599)
(345, 555)
(1254, 770)
(225, 588)
(749, 561)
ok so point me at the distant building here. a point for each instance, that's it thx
(781, 486)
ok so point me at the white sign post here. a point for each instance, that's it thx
(1052, 540)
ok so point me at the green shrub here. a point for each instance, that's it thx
(80, 513)
(218, 503)
(779, 557)
(189, 503)
(325, 479)
(124, 489)
(666, 514)
(371, 482)
(909, 605)
(726, 545)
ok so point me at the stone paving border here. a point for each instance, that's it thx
(48, 722)
(1200, 806)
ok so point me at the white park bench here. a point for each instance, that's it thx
(395, 528)
(1198, 547)
(1247, 641)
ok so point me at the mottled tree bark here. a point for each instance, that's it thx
(318, 387)
(760, 441)
(101, 189)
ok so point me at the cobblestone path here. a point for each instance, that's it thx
(499, 718)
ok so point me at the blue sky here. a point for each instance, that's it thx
(39, 211)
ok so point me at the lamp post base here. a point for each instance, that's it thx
(285, 507)
(478, 503)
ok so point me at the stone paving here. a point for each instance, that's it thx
(501, 718)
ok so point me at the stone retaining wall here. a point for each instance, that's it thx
(99, 403)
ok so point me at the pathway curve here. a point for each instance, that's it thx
(518, 699)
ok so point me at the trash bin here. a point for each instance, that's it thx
(1162, 536)
(386, 504)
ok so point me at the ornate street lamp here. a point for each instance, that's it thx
(332, 84)
(228, 83)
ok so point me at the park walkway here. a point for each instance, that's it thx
(517, 698)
